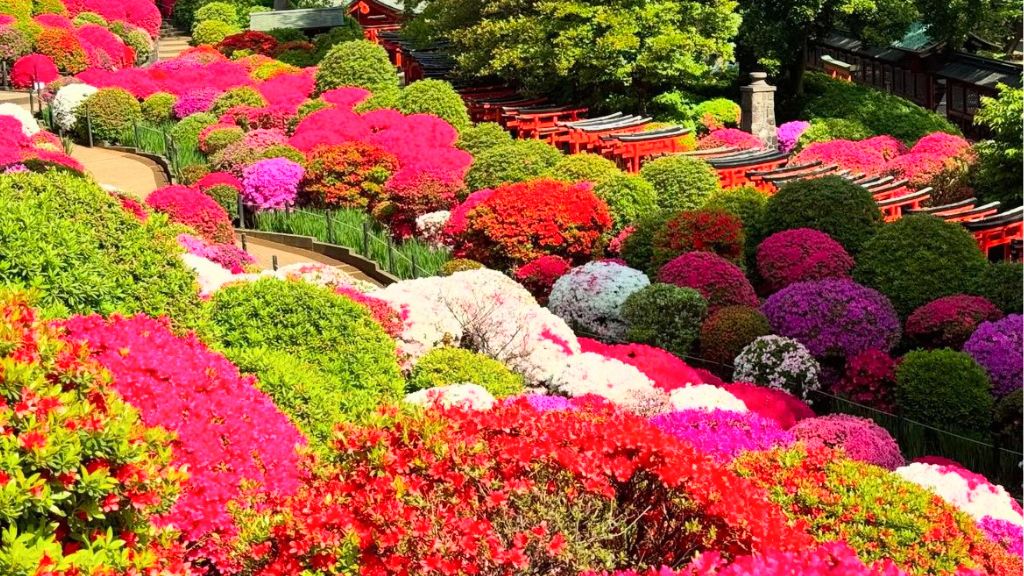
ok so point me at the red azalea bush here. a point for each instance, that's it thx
(719, 281)
(195, 209)
(230, 436)
(274, 116)
(666, 370)
(218, 179)
(887, 146)
(409, 195)
(250, 40)
(778, 405)
(870, 379)
(348, 175)
(800, 255)
(715, 231)
(33, 68)
(859, 438)
(949, 321)
(105, 50)
(502, 492)
(64, 48)
(521, 222)
(729, 137)
(539, 276)
(848, 154)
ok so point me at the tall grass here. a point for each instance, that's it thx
(356, 230)
(154, 139)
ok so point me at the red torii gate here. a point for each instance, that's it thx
(375, 17)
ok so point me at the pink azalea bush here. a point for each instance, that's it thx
(729, 137)
(940, 161)
(192, 208)
(33, 68)
(801, 255)
(271, 184)
(719, 281)
(848, 154)
(949, 321)
(860, 438)
(227, 255)
(194, 101)
(788, 134)
(667, 371)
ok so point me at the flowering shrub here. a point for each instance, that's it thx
(430, 227)
(849, 155)
(729, 137)
(870, 379)
(28, 125)
(833, 318)
(967, 491)
(715, 231)
(64, 48)
(104, 49)
(66, 103)
(240, 97)
(945, 389)
(590, 298)
(33, 68)
(949, 321)
(228, 432)
(271, 184)
(940, 161)
(728, 330)
(347, 175)
(356, 63)
(788, 134)
(1005, 533)
(997, 346)
(250, 41)
(664, 315)
(539, 276)
(518, 223)
(193, 101)
(723, 434)
(590, 374)
(704, 397)
(801, 255)
(15, 43)
(227, 255)
(409, 195)
(720, 282)
(859, 438)
(778, 405)
(195, 209)
(448, 366)
(887, 146)
(665, 370)
(778, 362)
(465, 396)
(683, 183)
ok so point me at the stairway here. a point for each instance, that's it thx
(173, 41)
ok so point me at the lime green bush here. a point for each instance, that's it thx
(666, 316)
(447, 366)
(584, 167)
(629, 198)
(356, 63)
(945, 389)
(825, 129)
(516, 162)
(833, 205)
(435, 97)
(221, 11)
(212, 32)
(186, 132)
(241, 96)
(717, 113)
(459, 265)
(158, 107)
(84, 18)
(682, 183)
(482, 137)
(112, 111)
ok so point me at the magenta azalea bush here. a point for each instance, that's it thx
(194, 101)
(719, 281)
(800, 255)
(997, 347)
(789, 134)
(723, 434)
(271, 184)
(860, 438)
(949, 321)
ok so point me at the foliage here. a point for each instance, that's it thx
(347, 175)
(447, 366)
(157, 107)
(435, 97)
(949, 321)
(510, 163)
(283, 35)
(859, 438)
(998, 175)
(716, 114)
(682, 183)
(828, 129)
(356, 63)
(1003, 284)
(728, 331)
(194, 209)
(777, 362)
(14, 44)
(945, 389)
(800, 255)
(584, 167)
(482, 137)
(919, 258)
(996, 346)
(714, 231)
(591, 298)
(665, 316)
(217, 137)
(870, 379)
(1007, 418)
(348, 31)
(223, 11)
(186, 132)
(212, 32)
(629, 197)
(461, 264)
(111, 111)
(832, 205)
(242, 96)
(719, 281)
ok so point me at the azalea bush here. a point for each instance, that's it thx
(356, 63)
(780, 363)
(800, 255)
(194, 209)
(539, 276)
(846, 154)
(720, 282)
(629, 197)
(665, 370)
(723, 434)
(347, 175)
(729, 138)
(584, 167)
(271, 184)
(111, 112)
(714, 231)
(437, 97)
(967, 491)
(666, 316)
(409, 195)
(949, 321)
(997, 346)
(591, 298)
(859, 438)
(869, 379)
(518, 161)
(32, 68)
(728, 330)
(778, 405)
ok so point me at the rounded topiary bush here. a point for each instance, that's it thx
(1003, 284)
(665, 316)
(869, 379)
(590, 298)
(717, 113)
(584, 167)
(348, 31)
(744, 202)
(945, 389)
(186, 132)
(447, 366)
(329, 331)
(111, 112)
(999, 348)
(859, 438)
(918, 259)
(356, 63)
(719, 281)
(212, 32)
(682, 183)
(1008, 418)
(714, 231)
(638, 247)
(833, 318)
(435, 97)
(778, 362)
(222, 11)
(241, 96)
(825, 129)
(516, 162)
(800, 255)
(843, 210)
(194, 209)
(482, 137)
(949, 321)
(158, 108)
(629, 197)
(728, 331)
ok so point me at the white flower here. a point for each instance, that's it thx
(969, 492)
(66, 103)
(615, 381)
(430, 225)
(591, 297)
(29, 126)
(321, 275)
(705, 397)
(778, 362)
(471, 396)
(212, 276)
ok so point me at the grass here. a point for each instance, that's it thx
(153, 139)
(358, 231)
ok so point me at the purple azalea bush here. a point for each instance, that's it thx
(789, 134)
(195, 101)
(723, 434)
(1003, 532)
(833, 317)
(996, 346)
(271, 184)
(860, 438)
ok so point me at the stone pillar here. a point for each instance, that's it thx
(757, 109)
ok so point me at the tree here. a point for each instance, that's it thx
(951, 21)
(999, 174)
(585, 47)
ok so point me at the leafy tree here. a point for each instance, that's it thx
(999, 172)
(951, 21)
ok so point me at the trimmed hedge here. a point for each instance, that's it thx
(212, 32)
(1003, 284)
(435, 97)
(584, 167)
(665, 316)
(482, 137)
(682, 183)
(629, 198)
(516, 162)
(356, 63)
(241, 96)
(448, 366)
(158, 107)
(945, 389)
(728, 331)
(832, 205)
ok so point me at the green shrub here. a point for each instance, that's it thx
(312, 399)
(482, 137)
(283, 35)
(917, 259)
(158, 107)
(749, 205)
(383, 97)
(221, 138)
(241, 96)
(1007, 418)
(297, 58)
(717, 113)
(459, 265)
(111, 111)
(682, 183)
(226, 196)
(49, 7)
(665, 316)
(356, 63)
(221, 11)
(825, 129)
(999, 172)
(676, 107)
(945, 389)
(189, 175)
(585, 167)
(310, 106)
(728, 331)
(347, 32)
(212, 32)
(435, 97)
(447, 366)
(1003, 284)
(881, 113)
(835, 206)
(629, 198)
(638, 249)
(331, 332)
(139, 41)
(186, 132)
(73, 242)
(84, 18)
(516, 162)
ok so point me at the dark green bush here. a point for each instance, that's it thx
(348, 31)
(435, 97)
(241, 96)
(682, 183)
(356, 63)
(665, 316)
(158, 107)
(584, 167)
(835, 206)
(945, 389)
(1007, 419)
(917, 259)
(676, 107)
(111, 112)
(728, 331)
(825, 129)
(226, 196)
(283, 35)
(1003, 284)
(482, 137)
(447, 366)
(338, 336)
(516, 162)
(629, 198)
(638, 249)
(186, 132)
(73, 242)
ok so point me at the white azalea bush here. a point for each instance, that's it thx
(705, 397)
(66, 103)
(778, 362)
(590, 297)
(29, 126)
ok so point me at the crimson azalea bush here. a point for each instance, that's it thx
(859, 438)
(728, 330)
(869, 379)
(940, 161)
(949, 321)
(409, 195)
(800, 255)
(781, 406)
(539, 276)
(192, 208)
(666, 370)
(715, 231)
(230, 435)
(33, 68)
(521, 222)
(250, 41)
(719, 281)
(520, 506)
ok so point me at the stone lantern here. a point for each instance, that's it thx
(757, 109)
